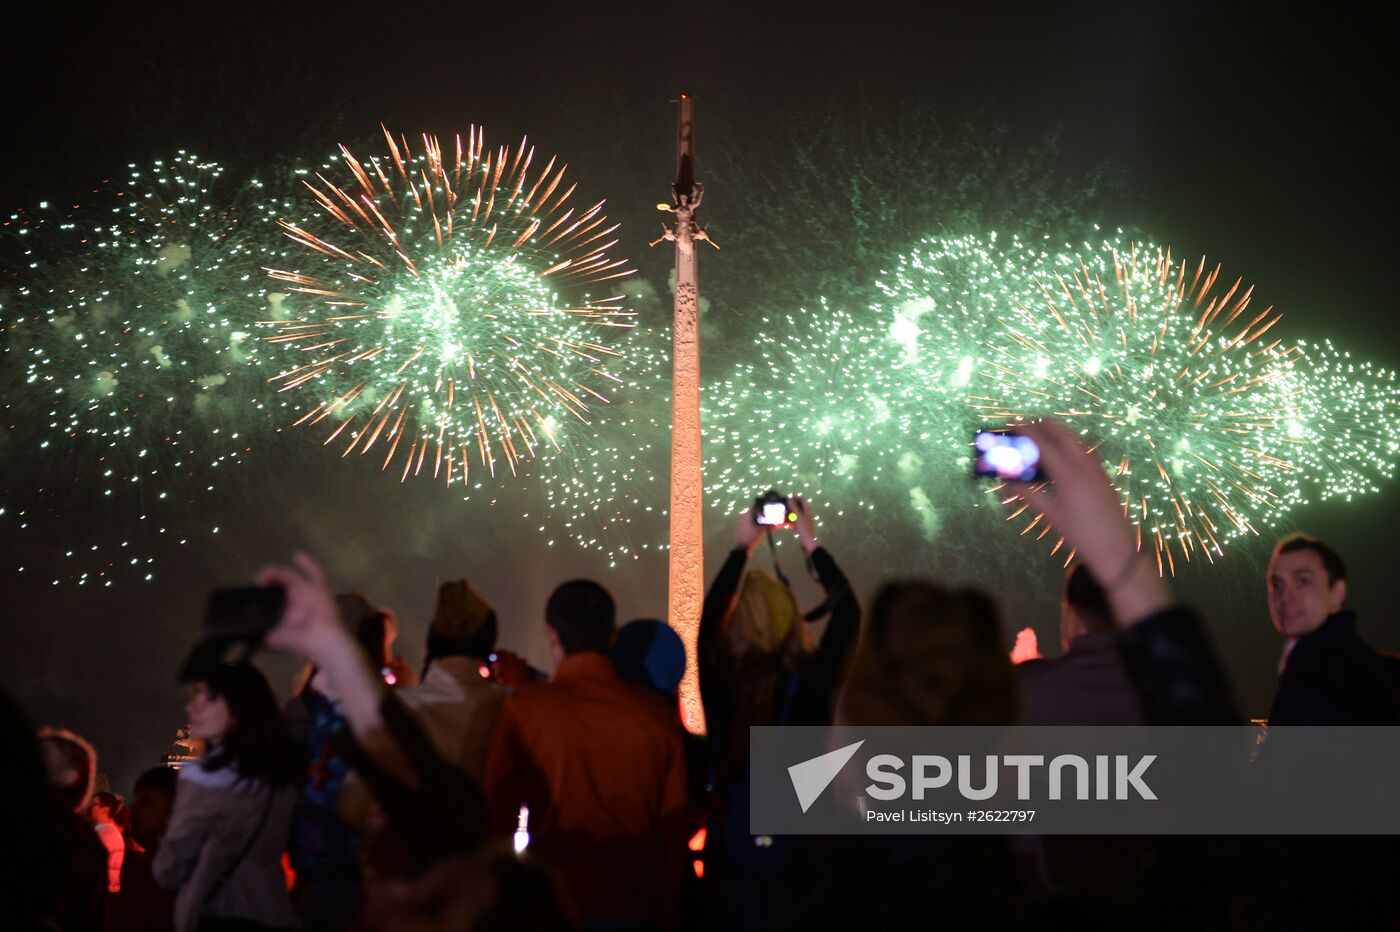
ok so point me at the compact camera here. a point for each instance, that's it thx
(772, 509)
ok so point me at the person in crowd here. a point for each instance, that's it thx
(650, 654)
(36, 858)
(456, 704)
(142, 906)
(927, 656)
(1086, 684)
(222, 851)
(108, 816)
(430, 811)
(152, 800)
(759, 666)
(1166, 652)
(1328, 674)
(72, 768)
(325, 849)
(601, 769)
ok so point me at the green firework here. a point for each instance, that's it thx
(609, 489)
(127, 316)
(439, 310)
(1182, 387)
(817, 407)
(1345, 436)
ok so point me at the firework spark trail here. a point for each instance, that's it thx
(1212, 424)
(1346, 436)
(440, 307)
(1172, 377)
(1181, 384)
(126, 316)
(822, 411)
(608, 490)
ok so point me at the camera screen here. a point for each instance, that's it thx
(1006, 456)
(774, 513)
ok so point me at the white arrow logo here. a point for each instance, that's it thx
(811, 777)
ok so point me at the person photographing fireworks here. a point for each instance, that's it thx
(759, 665)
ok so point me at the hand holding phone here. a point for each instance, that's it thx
(247, 612)
(234, 619)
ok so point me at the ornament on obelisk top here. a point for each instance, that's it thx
(686, 592)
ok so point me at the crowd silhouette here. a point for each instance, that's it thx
(480, 793)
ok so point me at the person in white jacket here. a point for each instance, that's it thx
(222, 852)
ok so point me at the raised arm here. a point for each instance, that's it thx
(1165, 647)
(311, 627)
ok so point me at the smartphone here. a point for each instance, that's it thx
(245, 613)
(1006, 456)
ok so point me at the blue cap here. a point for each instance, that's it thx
(649, 653)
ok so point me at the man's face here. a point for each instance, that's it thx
(1300, 598)
(150, 814)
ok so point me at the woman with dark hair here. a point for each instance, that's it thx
(222, 852)
(927, 656)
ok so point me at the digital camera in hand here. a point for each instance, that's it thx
(772, 509)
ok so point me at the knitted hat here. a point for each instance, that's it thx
(649, 653)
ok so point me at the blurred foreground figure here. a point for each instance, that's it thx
(456, 704)
(72, 767)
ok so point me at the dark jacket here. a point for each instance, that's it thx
(1175, 670)
(805, 698)
(753, 881)
(1332, 677)
(1088, 685)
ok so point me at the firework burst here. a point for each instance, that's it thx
(1182, 386)
(440, 310)
(1345, 435)
(822, 412)
(945, 300)
(608, 491)
(124, 318)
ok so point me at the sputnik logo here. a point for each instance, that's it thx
(811, 777)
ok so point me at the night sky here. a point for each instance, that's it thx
(1253, 139)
